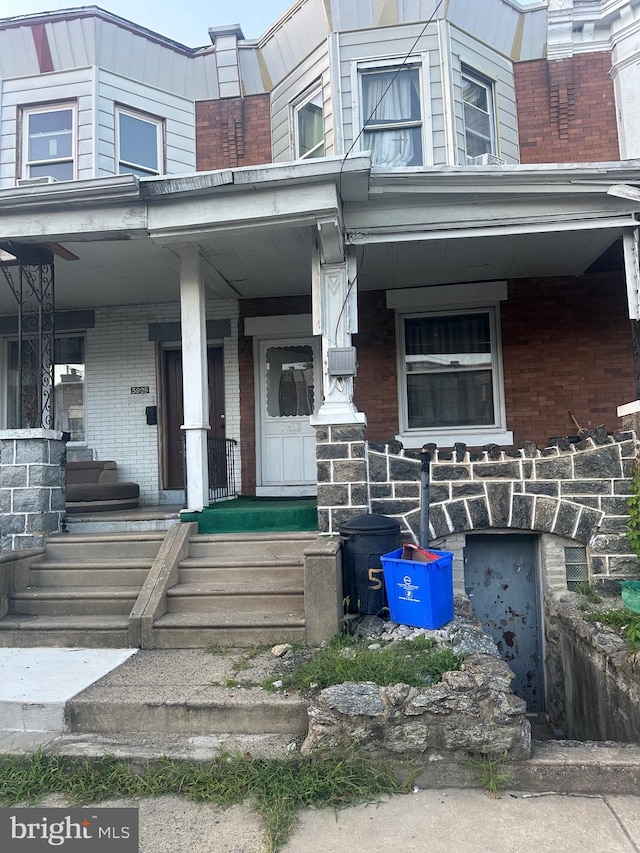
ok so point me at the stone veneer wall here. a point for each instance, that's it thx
(32, 487)
(574, 488)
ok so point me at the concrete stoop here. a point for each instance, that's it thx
(159, 589)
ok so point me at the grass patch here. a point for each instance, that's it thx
(626, 622)
(491, 773)
(276, 789)
(413, 662)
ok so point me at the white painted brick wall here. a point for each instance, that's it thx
(120, 356)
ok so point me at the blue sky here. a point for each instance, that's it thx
(186, 21)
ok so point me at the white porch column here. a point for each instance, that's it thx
(194, 377)
(335, 317)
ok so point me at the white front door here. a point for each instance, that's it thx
(287, 381)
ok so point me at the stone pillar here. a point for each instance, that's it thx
(194, 378)
(343, 488)
(32, 487)
(323, 605)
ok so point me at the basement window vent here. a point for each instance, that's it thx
(577, 570)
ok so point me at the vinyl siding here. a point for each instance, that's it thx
(313, 70)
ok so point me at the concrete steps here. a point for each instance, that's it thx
(80, 591)
(180, 692)
(160, 590)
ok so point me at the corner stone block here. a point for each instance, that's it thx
(544, 514)
(322, 434)
(35, 450)
(346, 433)
(603, 463)
(438, 522)
(12, 524)
(457, 512)
(332, 451)
(566, 519)
(324, 471)
(378, 470)
(479, 514)
(589, 522)
(45, 475)
(31, 500)
(404, 469)
(7, 451)
(14, 476)
(333, 495)
(499, 498)
(522, 512)
(353, 471)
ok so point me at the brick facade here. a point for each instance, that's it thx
(566, 346)
(233, 132)
(566, 110)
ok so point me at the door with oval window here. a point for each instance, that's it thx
(287, 399)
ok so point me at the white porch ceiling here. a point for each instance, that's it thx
(278, 263)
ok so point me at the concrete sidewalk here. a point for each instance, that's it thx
(603, 814)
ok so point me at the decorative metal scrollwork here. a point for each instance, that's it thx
(31, 280)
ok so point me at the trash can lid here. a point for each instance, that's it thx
(370, 523)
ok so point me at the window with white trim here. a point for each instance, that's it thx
(308, 126)
(139, 141)
(478, 105)
(451, 377)
(48, 142)
(391, 114)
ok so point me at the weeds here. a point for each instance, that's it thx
(276, 789)
(414, 662)
(584, 588)
(625, 621)
(491, 773)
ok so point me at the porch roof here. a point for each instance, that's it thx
(256, 226)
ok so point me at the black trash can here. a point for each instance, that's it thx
(365, 539)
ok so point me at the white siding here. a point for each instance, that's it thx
(73, 86)
(286, 46)
(178, 114)
(388, 43)
(119, 356)
(314, 70)
(477, 56)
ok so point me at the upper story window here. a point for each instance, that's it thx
(309, 126)
(479, 123)
(391, 112)
(450, 363)
(139, 144)
(48, 134)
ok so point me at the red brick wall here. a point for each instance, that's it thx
(566, 348)
(566, 110)
(233, 132)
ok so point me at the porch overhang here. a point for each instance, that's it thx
(257, 227)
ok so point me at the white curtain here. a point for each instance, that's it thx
(387, 102)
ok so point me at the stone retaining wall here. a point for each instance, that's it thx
(574, 488)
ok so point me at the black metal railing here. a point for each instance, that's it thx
(222, 467)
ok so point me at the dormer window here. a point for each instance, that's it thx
(391, 113)
(479, 123)
(48, 148)
(139, 143)
(308, 126)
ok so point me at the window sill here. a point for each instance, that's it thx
(447, 439)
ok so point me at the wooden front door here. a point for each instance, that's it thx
(174, 412)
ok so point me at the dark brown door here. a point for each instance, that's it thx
(174, 412)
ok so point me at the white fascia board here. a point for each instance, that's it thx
(271, 207)
(388, 235)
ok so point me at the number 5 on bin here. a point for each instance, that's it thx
(375, 582)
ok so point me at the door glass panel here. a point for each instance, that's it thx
(289, 381)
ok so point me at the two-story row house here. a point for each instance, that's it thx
(416, 221)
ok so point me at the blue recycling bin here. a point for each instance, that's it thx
(419, 594)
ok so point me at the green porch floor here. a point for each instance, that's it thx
(254, 515)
